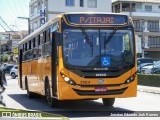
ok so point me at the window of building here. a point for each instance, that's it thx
(153, 26)
(39, 6)
(138, 26)
(32, 10)
(92, 3)
(16, 37)
(138, 6)
(5, 36)
(81, 3)
(148, 8)
(154, 41)
(69, 2)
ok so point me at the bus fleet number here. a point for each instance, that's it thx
(85, 82)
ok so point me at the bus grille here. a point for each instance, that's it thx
(92, 92)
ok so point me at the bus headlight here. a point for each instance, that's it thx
(130, 79)
(68, 80)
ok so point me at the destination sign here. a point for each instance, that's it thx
(97, 19)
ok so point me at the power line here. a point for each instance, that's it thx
(11, 8)
(16, 8)
(7, 25)
(3, 27)
(21, 7)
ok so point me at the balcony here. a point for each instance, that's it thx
(140, 29)
(154, 45)
(139, 10)
(153, 29)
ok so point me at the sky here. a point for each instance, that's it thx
(10, 10)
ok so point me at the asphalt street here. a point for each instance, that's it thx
(17, 98)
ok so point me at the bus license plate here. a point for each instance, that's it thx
(101, 89)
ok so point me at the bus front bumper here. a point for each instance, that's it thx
(71, 92)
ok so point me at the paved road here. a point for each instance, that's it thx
(16, 98)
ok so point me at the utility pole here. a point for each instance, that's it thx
(143, 38)
(28, 23)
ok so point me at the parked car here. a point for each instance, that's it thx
(14, 72)
(139, 67)
(149, 69)
(142, 62)
(155, 71)
(7, 68)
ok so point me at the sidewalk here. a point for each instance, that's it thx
(148, 89)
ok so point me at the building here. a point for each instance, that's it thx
(9, 40)
(146, 16)
(9, 43)
(43, 10)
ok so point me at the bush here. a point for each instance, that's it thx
(149, 80)
(5, 58)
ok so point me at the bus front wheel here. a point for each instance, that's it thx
(108, 101)
(51, 101)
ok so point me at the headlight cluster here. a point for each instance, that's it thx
(68, 80)
(130, 79)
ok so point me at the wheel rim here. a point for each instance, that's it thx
(13, 75)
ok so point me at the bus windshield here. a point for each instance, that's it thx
(97, 48)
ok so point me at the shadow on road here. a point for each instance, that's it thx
(80, 108)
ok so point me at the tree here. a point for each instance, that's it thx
(5, 58)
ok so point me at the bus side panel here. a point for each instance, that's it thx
(47, 73)
(24, 73)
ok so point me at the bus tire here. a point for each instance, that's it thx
(52, 102)
(29, 93)
(108, 101)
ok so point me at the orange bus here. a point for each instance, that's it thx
(78, 56)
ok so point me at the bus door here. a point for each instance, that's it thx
(20, 67)
(54, 64)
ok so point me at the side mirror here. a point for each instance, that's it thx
(58, 38)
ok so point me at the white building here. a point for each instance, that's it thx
(43, 10)
(146, 16)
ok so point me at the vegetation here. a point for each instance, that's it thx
(149, 80)
(5, 58)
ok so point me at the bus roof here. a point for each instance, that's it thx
(56, 19)
(52, 21)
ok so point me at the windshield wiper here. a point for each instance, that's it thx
(86, 37)
(107, 40)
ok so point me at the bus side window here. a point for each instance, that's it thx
(44, 37)
(41, 38)
(48, 35)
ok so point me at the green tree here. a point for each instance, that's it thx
(5, 58)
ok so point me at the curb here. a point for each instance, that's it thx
(148, 89)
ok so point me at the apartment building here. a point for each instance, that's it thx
(146, 16)
(42, 11)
